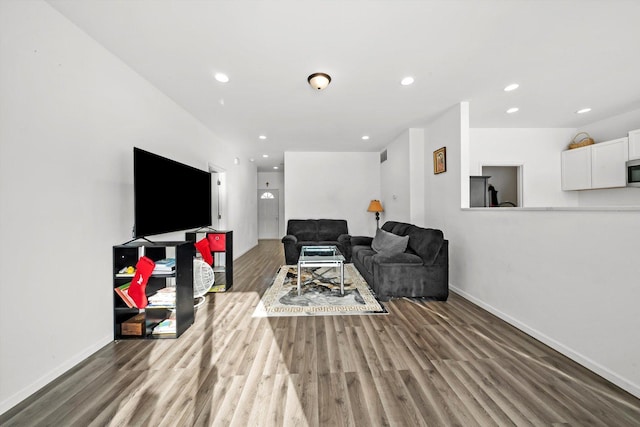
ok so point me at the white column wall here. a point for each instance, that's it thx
(568, 278)
(70, 114)
(417, 171)
(395, 181)
(402, 179)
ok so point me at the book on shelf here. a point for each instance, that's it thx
(125, 274)
(166, 265)
(167, 326)
(165, 297)
(123, 292)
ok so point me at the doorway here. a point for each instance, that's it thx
(268, 214)
(215, 200)
(218, 197)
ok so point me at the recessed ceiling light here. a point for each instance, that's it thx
(275, 167)
(365, 137)
(221, 77)
(584, 110)
(407, 81)
(265, 155)
(262, 137)
(252, 160)
(512, 86)
(512, 110)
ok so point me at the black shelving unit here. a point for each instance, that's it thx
(223, 264)
(182, 278)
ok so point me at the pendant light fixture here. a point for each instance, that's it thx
(319, 81)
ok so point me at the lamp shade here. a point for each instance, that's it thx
(319, 81)
(375, 206)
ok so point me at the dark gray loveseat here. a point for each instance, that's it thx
(315, 232)
(422, 270)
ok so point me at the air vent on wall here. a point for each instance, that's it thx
(383, 156)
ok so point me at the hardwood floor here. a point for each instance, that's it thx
(425, 363)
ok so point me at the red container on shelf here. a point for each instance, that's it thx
(217, 242)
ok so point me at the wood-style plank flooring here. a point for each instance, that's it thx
(425, 363)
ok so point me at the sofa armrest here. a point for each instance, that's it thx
(290, 238)
(344, 239)
(361, 241)
(291, 250)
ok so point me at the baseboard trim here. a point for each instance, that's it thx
(598, 369)
(34, 387)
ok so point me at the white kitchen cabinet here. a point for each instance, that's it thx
(599, 165)
(608, 163)
(634, 144)
(576, 169)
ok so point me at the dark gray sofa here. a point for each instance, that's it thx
(422, 270)
(315, 232)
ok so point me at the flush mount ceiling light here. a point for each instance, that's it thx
(262, 137)
(365, 137)
(265, 155)
(512, 110)
(584, 110)
(221, 77)
(319, 81)
(275, 167)
(407, 81)
(512, 86)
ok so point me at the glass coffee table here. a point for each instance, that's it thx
(321, 256)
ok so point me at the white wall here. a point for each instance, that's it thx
(613, 127)
(402, 179)
(70, 113)
(537, 150)
(395, 181)
(276, 182)
(568, 278)
(332, 185)
(417, 171)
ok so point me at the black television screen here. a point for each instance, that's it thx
(168, 195)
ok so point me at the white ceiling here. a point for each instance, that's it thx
(565, 54)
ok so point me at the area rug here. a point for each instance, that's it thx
(320, 294)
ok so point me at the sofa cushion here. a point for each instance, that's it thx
(361, 252)
(331, 229)
(398, 258)
(303, 229)
(397, 228)
(367, 261)
(389, 243)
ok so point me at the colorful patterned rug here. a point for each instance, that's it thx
(320, 294)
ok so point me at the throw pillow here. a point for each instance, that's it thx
(389, 243)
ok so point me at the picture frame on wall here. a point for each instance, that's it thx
(440, 160)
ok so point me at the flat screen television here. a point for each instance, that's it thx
(168, 195)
